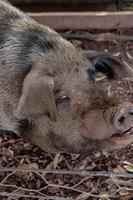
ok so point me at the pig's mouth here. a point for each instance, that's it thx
(119, 140)
(127, 132)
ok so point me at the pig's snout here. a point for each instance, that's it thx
(123, 117)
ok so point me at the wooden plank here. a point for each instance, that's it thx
(85, 20)
(63, 1)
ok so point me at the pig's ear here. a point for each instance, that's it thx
(37, 97)
(109, 65)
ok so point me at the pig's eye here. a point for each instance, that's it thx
(61, 99)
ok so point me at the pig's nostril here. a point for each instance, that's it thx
(122, 119)
(131, 112)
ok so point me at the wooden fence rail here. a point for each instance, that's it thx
(85, 20)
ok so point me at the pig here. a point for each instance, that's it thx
(49, 95)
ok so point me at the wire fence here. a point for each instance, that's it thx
(18, 191)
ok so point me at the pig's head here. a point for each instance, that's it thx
(63, 109)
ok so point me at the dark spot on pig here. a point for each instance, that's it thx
(11, 16)
(31, 39)
(77, 70)
(4, 30)
(23, 126)
(6, 25)
(8, 109)
(34, 38)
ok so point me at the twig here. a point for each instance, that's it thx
(130, 86)
(102, 37)
(79, 183)
(9, 175)
(121, 182)
(61, 186)
(88, 194)
(11, 141)
(42, 177)
(7, 194)
(23, 189)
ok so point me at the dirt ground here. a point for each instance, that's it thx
(14, 152)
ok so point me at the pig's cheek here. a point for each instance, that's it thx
(97, 126)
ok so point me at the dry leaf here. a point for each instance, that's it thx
(57, 159)
(26, 174)
(128, 166)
